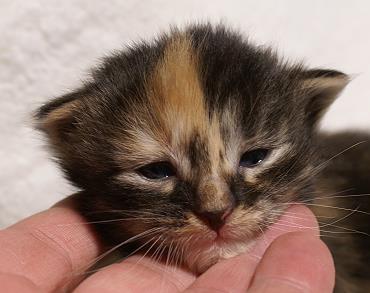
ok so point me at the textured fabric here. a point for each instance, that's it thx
(46, 47)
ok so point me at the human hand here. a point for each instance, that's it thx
(42, 254)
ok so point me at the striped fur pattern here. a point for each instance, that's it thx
(197, 99)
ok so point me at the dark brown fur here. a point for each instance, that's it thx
(344, 183)
(197, 99)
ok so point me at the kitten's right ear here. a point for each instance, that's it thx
(322, 87)
(58, 117)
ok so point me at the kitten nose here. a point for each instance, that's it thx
(215, 219)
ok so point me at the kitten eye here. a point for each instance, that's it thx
(253, 158)
(158, 170)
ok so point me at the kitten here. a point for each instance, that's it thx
(199, 139)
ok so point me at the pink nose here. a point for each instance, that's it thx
(215, 219)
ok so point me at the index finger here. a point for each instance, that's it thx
(49, 247)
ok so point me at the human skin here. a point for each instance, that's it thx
(44, 252)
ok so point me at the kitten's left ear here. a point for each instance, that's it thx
(322, 87)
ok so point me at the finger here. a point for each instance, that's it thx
(236, 274)
(137, 274)
(48, 247)
(17, 284)
(295, 263)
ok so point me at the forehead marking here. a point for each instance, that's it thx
(176, 96)
(176, 92)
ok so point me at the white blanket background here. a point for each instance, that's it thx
(46, 47)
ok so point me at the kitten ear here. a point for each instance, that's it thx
(57, 118)
(322, 87)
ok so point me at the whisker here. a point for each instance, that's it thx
(145, 233)
(130, 212)
(263, 235)
(132, 253)
(322, 165)
(333, 193)
(296, 215)
(339, 208)
(338, 196)
(342, 218)
(106, 221)
(155, 254)
(350, 231)
(146, 252)
(340, 153)
(318, 235)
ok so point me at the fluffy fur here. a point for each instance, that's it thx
(197, 100)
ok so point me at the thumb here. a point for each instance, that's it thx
(295, 263)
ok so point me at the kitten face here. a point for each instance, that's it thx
(198, 137)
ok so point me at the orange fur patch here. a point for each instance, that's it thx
(175, 91)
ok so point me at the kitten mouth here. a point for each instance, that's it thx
(221, 239)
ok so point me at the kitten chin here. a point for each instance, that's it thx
(200, 259)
